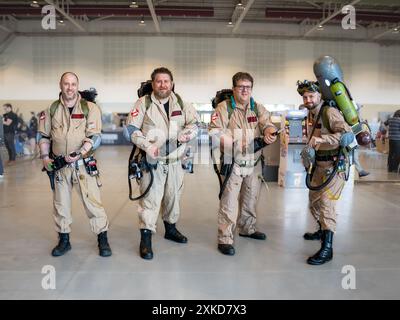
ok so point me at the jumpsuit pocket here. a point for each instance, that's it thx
(77, 123)
(98, 181)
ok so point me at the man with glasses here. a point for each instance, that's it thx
(235, 123)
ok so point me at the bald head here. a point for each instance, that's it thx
(69, 73)
(69, 84)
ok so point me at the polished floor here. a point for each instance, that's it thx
(368, 239)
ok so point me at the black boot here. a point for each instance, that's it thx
(226, 249)
(63, 245)
(171, 233)
(317, 235)
(104, 247)
(324, 254)
(256, 235)
(145, 244)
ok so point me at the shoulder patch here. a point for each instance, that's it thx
(134, 113)
(215, 116)
(42, 115)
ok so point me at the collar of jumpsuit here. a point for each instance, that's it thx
(160, 105)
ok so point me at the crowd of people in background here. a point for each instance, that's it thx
(18, 136)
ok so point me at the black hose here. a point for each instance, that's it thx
(147, 189)
(309, 177)
(228, 174)
(129, 180)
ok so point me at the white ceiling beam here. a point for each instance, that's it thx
(241, 17)
(339, 11)
(5, 28)
(102, 18)
(66, 15)
(6, 42)
(314, 4)
(153, 15)
(381, 34)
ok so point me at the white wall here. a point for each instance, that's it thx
(31, 66)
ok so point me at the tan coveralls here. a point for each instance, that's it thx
(244, 182)
(323, 203)
(68, 132)
(155, 127)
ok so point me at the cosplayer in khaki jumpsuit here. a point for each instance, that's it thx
(69, 131)
(326, 143)
(241, 128)
(149, 130)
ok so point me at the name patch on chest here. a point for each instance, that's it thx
(176, 113)
(77, 116)
(251, 119)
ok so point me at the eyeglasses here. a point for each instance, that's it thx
(243, 88)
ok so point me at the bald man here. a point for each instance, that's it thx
(70, 129)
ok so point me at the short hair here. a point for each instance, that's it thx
(69, 72)
(7, 105)
(242, 76)
(161, 70)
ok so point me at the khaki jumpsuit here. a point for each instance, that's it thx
(244, 183)
(153, 126)
(323, 203)
(67, 133)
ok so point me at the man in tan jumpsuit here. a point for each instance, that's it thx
(324, 137)
(71, 125)
(149, 126)
(235, 123)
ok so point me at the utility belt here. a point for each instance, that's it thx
(90, 164)
(167, 161)
(327, 155)
(247, 163)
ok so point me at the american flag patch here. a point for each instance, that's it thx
(42, 115)
(214, 116)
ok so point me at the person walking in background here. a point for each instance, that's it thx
(32, 132)
(1, 143)
(10, 123)
(394, 142)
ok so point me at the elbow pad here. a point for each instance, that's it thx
(128, 130)
(41, 138)
(96, 141)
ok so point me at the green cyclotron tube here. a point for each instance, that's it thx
(344, 102)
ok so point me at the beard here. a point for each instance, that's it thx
(70, 97)
(162, 95)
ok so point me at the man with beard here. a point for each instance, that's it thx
(154, 122)
(71, 129)
(328, 125)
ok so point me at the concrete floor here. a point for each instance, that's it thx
(367, 239)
